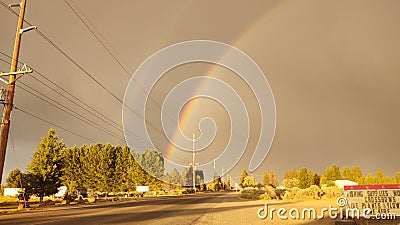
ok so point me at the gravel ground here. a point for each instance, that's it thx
(245, 212)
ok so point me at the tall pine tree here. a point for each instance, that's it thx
(46, 166)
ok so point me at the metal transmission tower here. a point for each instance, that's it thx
(13, 75)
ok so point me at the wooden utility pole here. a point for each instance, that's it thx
(193, 163)
(8, 105)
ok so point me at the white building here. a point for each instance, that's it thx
(61, 191)
(11, 192)
(342, 183)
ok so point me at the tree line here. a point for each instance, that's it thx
(305, 178)
(105, 168)
(101, 167)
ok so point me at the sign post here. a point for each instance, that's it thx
(380, 199)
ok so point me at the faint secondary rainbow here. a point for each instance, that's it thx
(191, 105)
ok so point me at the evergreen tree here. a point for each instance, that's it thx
(290, 182)
(46, 166)
(273, 179)
(397, 178)
(174, 177)
(14, 179)
(187, 178)
(291, 174)
(348, 174)
(331, 174)
(199, 177)
(151, 161)
(249, 181)
(242, 176)
(359, 177)
(381, 178)
(266, 178)
(306, 178)
(369, 179)
(72, 168)
(317, 179)
(123, 165)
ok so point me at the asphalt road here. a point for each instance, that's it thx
(205, 208)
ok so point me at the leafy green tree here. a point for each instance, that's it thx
(249, 181)
(359, 177)
(46, 166)
(331, 174)
(348, 174)
(317, 179)
(397, 178)
(199, 177)
(215, 185)
(125, 163)
(369, 179)
(106, 168)
(14, 179)
(137, 173)
(270, 179)
(290, 182)
(306, 178)
(228, 184)
(72, 168)
(153, 162)
(173, 179)
(357, 172)
(187, 177)
(266, 178)
(242, 176)
(382, 179)
(291, 174)
(273, 179)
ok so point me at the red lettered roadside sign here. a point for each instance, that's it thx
(379, 198)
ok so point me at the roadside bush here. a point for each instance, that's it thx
(252, 193)
(270, 191)
(175, 192)
(289, 195)
(280, 193)
(264, 196)
(332, 192)
(292, 194)
(313, 192)
(161, 192)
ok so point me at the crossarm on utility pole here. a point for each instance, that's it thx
(5, 125)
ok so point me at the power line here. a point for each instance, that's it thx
(65, 54)
(56, 125)
(100, 39)
(109, 122)
(47, 39)
(141, 141)
(68, 111)
(95, 80)
(65, 109)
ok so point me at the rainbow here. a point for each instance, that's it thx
(238, 41)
